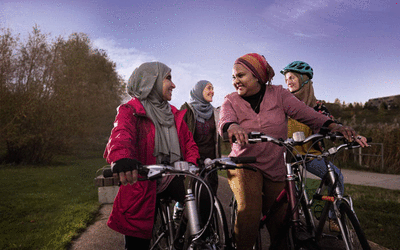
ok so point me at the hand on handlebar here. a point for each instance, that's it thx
(126, 170)
(239, 133)
(362, 141)
(349, 133)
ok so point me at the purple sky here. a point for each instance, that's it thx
(353, 45)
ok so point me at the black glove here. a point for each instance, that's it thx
(125, 165)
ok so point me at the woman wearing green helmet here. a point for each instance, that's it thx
(298, 75)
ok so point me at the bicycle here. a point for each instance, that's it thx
(303, 233)
(328, 192)
(292, 230)
(166, 232)
(226, 163)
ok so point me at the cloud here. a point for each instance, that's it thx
(317, 18)
(184, 75)
(126, 59)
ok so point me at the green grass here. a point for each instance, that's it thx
(377, 210)
(46, 207)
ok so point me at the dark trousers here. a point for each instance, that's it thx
(134, 243)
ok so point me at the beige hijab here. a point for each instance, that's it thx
(305, 93)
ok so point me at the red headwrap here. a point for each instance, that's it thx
(258, 66)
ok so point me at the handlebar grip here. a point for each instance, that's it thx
(107, 173)
(244, 159)
(356, 144)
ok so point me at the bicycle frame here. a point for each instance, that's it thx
(289, 194)
(333, 199)
(195, 229)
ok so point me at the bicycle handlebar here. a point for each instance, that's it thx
(297, 139)
(151, 172)
(157, 170)
(230, 163)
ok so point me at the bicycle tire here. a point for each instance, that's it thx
(161, 239)
(305, 214)
(300, 235)
(233, 216)
(258, 243)
(217, 232)
(352, 228)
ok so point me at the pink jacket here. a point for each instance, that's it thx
(133, 137)
(277, 104)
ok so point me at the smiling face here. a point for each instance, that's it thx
(245, 83)
(292, 81)
(208, 92)
(168, 86)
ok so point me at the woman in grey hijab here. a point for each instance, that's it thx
(147, 130)
(202, 119)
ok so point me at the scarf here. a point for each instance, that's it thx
(306, 91)
(203, 109)
(146, 84)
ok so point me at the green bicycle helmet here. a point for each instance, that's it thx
(299, 67)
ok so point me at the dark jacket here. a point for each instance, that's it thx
(191, 122)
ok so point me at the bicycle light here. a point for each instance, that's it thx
(332, 150)
(181, 165)
(299, 136)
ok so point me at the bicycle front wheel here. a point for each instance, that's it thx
(217, 232)
(352, 231)
(161, 239)
(258, 243)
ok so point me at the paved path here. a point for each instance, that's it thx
(387, 181)
(98, 236)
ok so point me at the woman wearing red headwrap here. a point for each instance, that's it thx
(259, 106)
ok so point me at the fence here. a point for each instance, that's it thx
(360, 154)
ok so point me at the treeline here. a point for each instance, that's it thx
(379, 123)
(56, 96)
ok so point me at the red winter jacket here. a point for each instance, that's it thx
(133, 137)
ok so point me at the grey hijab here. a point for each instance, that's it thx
(146, 84)
(203, 109)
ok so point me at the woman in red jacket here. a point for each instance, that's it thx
(147, 130)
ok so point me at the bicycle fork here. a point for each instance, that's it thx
(292, 199)
(333, 199)
(192, 213)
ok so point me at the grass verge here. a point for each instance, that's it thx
(46, 207)
(377, 210)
